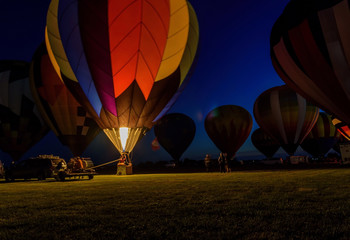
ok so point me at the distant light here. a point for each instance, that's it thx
(123, 132)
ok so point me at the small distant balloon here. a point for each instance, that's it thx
(175, 132)
(155, 144)
(264, 143)
(228, 127)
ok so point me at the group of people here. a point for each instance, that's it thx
(223, 161)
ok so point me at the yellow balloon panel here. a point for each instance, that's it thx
(191, 46)
(177, 38)
(54, 41)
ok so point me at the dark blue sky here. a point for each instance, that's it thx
(234, 67)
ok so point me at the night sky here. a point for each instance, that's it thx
(234, 67)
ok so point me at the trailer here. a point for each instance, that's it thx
(64, 174)
(75, 171)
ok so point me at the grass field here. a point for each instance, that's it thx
(297, 204)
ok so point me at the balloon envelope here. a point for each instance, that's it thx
(310, 50)
(228, 127)
(342, 127)
(322, 137)
(73, 126)
(175, 132)
(123, 60)
(264, 143)
(21, 125)
(285, 116)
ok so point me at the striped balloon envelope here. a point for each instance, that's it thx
(123, 60)
(73, 126)
(322, 137)
(310, 51)
(285, 116)
(21, 125)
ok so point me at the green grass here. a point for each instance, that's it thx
(300, 204)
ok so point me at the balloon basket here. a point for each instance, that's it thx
(123, 169)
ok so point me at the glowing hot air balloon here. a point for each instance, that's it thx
(322, 137)
(21, 125)
(73, 126)
(175, 132)
(285, 116)
(310, 50)
(264, 143)
(122, 60)
(228, 127)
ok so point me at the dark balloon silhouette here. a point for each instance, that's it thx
(310, 51)
(322, 137)
(285, 116)
(228, 127)
(124, 67)
(264, 143)
(175, 132)
(73, 126)
(21, 125)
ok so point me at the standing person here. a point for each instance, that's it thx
(207, 162)
(221, 162)
(227, 163)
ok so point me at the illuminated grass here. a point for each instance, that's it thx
(302, 204)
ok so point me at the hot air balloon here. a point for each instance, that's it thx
(228, 127)
(175, 132)
(21, 125)
(342, 127)
(285, 116)
(73, 126)
(122, 60)
(264, 143)
(322, 137)
(155, 144)
(310, 50)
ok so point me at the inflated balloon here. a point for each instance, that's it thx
(21, 125)
(310, 50)
(285, 116)
(155, 144)
(264, 143)
(322, 137)
(175, 132)
(342, 127)
(73, 126)
(123, 60)
(228, 127)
